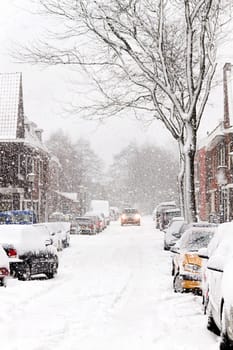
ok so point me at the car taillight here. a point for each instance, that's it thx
(12, 253)
(4, 271)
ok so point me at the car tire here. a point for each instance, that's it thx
(173, 269)
(3, 282)
(26, 275)
(165, 247)
(176, 284)
(211, 325)
(225, 343)
(50, 275)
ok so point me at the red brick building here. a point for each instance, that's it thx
(214, 164)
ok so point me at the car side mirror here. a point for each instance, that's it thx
(175, 250)
(48, 242)
(203, 253)
(176, 234)
(216, 263)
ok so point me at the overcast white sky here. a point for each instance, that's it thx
(46, 89)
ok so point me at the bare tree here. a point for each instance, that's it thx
(143, 176)
(153, 57)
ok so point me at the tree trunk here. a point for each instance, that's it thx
(181, 181)
(189, 156)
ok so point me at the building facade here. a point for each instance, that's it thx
(214, 164)
(24, 159)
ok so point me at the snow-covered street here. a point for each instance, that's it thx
(112, 291)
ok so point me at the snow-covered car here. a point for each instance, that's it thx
(114, 213)
(59, 232)
(4, 267)
(172, 233)
(186, 264)
(30, 251)
(65, 227)
(220, 284)
(130, 216)
(74, 228)
(101, 216)
(87, 225)
(97, 220)
(54, 231)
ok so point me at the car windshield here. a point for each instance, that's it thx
(83, 220)
(130, 211)
(174, 228)
(196, 240)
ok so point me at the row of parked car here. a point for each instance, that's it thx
(91, 223)
(31, 250)
(202, 262)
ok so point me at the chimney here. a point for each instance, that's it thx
(228, 113)
(38, 133)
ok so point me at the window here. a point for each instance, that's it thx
(221, 155)
(230, 155)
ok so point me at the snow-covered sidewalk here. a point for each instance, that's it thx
(113, 291)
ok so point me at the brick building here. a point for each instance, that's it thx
(24, 159)
(214, 163)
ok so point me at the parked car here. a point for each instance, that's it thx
(75, 228)
(87, 225)
(172, 233)
(101, 206)
(30, 251)
(130, 216)
(219, 284)
(98, 220)
(186, 264)
(114, 213)
(55, 233)
(101, 218)
(4, 267)
(163, 214)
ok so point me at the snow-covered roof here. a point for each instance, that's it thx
(73, 196)
(31, 135)
(9, 104)
(215, 134)
(14, 125)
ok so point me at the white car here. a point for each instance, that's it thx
(172, 233)
(219, 284)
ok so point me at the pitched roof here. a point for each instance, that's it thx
(10, 94)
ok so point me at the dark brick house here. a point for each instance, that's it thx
(24, 159)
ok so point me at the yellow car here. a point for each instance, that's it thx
(186, 264)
